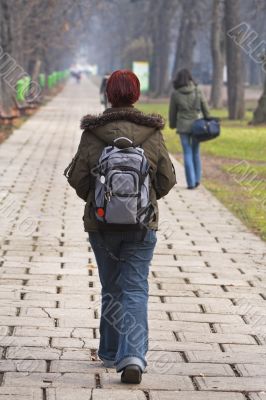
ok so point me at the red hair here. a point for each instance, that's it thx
(123, 88)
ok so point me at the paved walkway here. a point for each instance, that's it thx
(207, 283)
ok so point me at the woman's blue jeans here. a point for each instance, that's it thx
(192, 162)
(123, 260)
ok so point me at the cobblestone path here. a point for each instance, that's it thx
(207, 306)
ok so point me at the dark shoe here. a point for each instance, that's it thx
(131, 374)
(197, 184)
(191, 187)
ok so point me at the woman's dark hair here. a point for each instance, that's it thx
(183, 78)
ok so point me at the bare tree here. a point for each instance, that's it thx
(29, 47)
(235, 82)
(6, 54)
(186, 38)
(160, 38)
(259, 116)
(217, 51)
(115, 33)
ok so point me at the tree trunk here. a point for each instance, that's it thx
(154, 70)
(235, 81)
(6, 62)
(156, 60)
(36, 70)
(163, 51)
(217, 51)
(254, 75)
(259, 116)
(186, 40)
(160, 24)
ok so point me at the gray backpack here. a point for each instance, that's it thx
(122, 185)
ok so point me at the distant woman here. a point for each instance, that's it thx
(183, 111)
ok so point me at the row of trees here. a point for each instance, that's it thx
(173, 34)
(42, 36)
(38, 36)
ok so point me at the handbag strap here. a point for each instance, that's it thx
(197, 104)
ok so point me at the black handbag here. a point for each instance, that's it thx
(204, 129)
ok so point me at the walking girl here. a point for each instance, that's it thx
(182, 113)
(120, 170)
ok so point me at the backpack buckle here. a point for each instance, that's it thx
(108, 195)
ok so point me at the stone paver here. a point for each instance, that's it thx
(17, 393)
(246, 384)
(102, 394)
(258, 396)
(170, 395)
(68, 394)
(207, 282)
(149, 381)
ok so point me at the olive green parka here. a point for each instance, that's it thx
(183, 110)
(100, 131)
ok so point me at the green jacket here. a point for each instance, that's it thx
(183, 111)
(100, 131)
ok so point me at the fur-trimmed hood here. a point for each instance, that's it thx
(129, 114)
(122, 122)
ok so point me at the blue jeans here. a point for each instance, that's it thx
(192, 163)
(123, 260)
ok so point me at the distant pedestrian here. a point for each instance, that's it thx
(182, 113)
(76, 75)
(103, 94)
(121, 169)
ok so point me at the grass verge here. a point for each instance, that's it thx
(234, 165)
